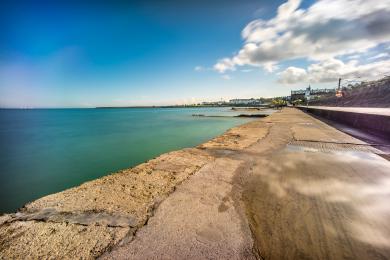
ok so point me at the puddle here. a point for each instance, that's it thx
(297, 148)
(328, 147)
(348, 153)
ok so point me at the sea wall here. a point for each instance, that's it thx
(286, 186)
(379, 124)
(87, 221)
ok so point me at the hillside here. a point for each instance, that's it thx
(366, 94)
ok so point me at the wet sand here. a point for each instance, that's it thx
(286, 186)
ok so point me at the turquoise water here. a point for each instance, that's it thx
(48, 150)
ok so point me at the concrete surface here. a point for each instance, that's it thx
(362, 110)
(316, 193)
(200, 220)
(309, 192)
(285, 187)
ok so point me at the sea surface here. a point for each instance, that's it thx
(43, 151)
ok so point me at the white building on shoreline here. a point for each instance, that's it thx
(249, 101)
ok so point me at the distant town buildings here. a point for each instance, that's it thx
(250, 101)
(309, 93)
(236, 102)
(300, 96)
(215, 103)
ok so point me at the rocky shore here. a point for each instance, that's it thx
(285, 186)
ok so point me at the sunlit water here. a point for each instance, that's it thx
(48, 150)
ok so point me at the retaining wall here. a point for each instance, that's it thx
(379, 124)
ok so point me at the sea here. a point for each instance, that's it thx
(43, 151)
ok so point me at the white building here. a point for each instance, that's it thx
(250, 101)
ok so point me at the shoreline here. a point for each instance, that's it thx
(111, 208)
(288, 185)
(115, 141)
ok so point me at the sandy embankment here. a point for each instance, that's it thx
(88, 220)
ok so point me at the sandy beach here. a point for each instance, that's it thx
(284, 186)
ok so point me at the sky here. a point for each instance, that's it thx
(133, 53)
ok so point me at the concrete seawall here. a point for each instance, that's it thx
(375, 123)
(92, 219)
(287, 186)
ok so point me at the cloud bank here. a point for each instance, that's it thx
(331, 69)
(320, 34)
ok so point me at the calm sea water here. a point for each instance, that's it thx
(44, 151)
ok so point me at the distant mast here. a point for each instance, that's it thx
(339, 93)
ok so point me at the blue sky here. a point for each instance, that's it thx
(84, 54)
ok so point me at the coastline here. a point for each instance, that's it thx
(47, 151)
(285, 186)
(101, 213)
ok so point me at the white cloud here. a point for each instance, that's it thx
(224, 65)
(331, 69)
(327, 29)
(270, 67)
(226, 77)
(293, 75)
